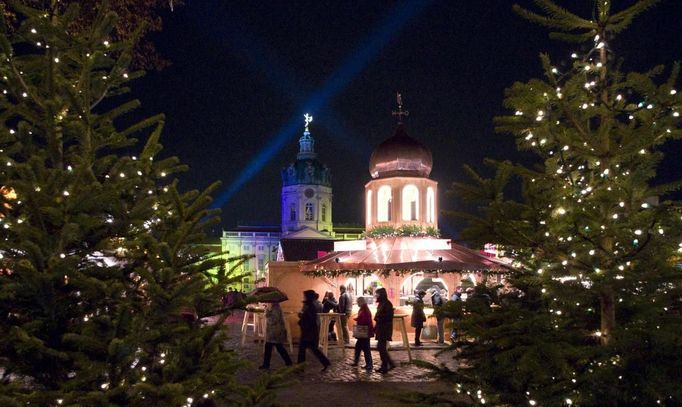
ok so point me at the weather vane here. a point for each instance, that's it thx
(308, 118)
(400, 113)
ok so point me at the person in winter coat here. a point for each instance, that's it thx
(329, 304)
(346, 309)
(309, 322)
(438, 302)
(418, 317)
(364, 318)
(275, 335)
(384, 329)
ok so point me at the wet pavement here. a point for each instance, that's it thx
(340, 370)
(337, 381)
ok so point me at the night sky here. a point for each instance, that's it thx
(243, 74)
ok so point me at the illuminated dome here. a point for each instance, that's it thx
(400, 155)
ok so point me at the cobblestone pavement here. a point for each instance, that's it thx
(340, 371)
(341, 381)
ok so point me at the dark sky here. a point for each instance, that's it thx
(243, 70)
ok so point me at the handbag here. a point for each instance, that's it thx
(361, 331)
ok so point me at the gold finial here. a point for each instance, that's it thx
(400, 112)
(308, 118)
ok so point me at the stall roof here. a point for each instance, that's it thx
(407, 254)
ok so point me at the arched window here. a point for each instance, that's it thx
(369, 206)
(324, 212)
(384, 204)
(309, 211)
(430, 206)
(410, 202)
(292, 212)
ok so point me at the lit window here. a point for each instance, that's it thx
(430, 206)
(324, 212)
(309, 211)
(384, 204)
(410, 202)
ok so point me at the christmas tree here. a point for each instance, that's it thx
(103, 285)
(591, 315)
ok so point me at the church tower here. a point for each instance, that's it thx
(306, 190)
(401, 192)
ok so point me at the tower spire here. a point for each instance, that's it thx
(400, 112)
(306, 143)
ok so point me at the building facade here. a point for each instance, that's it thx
(306, 228)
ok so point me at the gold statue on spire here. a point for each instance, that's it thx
(308, 118)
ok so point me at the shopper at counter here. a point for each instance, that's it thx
(346, 309)
(418, 317)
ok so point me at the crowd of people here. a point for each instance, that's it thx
(365, 328)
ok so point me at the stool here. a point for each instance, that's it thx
(254, 318)
(325, 319)
(400, 320)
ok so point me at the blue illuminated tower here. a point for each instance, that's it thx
(307, 191)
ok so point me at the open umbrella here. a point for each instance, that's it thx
(268, 294)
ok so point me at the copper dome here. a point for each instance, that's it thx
(400, 155)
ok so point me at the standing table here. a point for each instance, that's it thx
(325, 319)
(400, 320)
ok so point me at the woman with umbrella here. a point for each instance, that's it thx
(275, 331)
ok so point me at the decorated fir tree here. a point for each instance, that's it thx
(102, 283)
(593, 316)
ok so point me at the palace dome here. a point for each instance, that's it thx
(400, 155)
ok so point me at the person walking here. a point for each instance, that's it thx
(346, 309)
(364, 319)
(329, 304)
(275, 335)
(309, 322)
(418, 317)
(384, 329)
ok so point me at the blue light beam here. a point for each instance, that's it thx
(285, 81)
(358, 60)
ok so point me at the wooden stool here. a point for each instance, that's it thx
(254, 318)
(325, 319)
(400, 320)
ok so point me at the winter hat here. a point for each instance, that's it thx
(310, 295)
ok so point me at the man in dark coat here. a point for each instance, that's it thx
(329, 304)
(309, 322)
(384, 329)
(346, 309)
(418, 317)
(438, 302)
